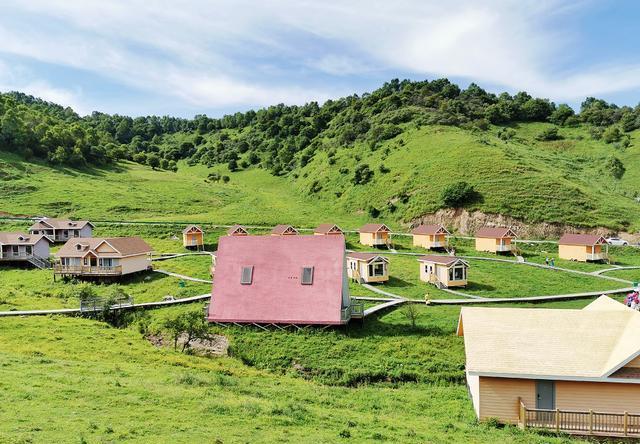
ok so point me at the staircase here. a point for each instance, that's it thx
(39, 262)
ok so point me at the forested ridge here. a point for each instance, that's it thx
(280, 138)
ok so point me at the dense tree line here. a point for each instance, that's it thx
(281, 138)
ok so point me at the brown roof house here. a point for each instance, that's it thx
(581, 247)
(374, 235)
(20, 247)
(367, 267)
(237, 230)
(495, 240)
(103, 257)
(61, 230)
(284, 230)
(576, 371)
(430, 236)
(327, 229)
(443, 271)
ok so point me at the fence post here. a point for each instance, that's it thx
(626, 422)
(558, 420)
(590, 421)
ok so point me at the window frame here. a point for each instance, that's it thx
(302, 279)
(248, 281)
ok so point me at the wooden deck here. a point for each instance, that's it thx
(86, 270)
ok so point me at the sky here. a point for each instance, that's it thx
(215, 57)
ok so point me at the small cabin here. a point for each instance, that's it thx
(430, 236)
(284, 230)
(367, 267)
(495, 240)
(327, 229)
(443, 271)
(566, 370)
(375, 235)
(193, 237)
(581, 247)
(237, 230)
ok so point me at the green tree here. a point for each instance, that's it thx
(458, 194)
(153, 160)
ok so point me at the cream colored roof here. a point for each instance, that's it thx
(534, 342)
(123, 246)
(20, 239)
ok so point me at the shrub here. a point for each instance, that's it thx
(458, 194)
(383, 169)
(549, 134)
(612, 134)
(615, 167)
(373, 212)
(362, 174)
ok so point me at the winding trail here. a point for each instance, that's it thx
(606, 270)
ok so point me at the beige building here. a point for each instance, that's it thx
(61, 230)
(495, 240)
(443, 271)
(103, 257)
(581, 247)
(430, 236)
(237, 230)
(284, 230)
(20, 247)
(375, 235)
(576, 371)
(327, 229)
(367, 267)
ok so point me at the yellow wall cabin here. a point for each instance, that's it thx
(430, 236)
(581, 247)
(375, 235)
(193, 237)
(495, 240)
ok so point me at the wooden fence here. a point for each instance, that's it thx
(581, 422)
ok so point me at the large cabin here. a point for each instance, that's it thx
(430, 236)
(576, 371)
(367, 268)
(581, 247)
(61, 230)
(495, 240)
(298, 280)
(443, 271)
(193, 237)
(375, 235)
(27, 248)
(102, 257)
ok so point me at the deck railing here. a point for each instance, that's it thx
(87, 270)
(581, 422)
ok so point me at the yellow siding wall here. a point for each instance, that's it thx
(426, 240)
(499, 397)
(599, 396)
(373, 238)
(187, 239)
(486, 244)
(573, 252)
(133, 264)
(366, 238)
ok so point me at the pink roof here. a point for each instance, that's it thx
(429, 229)
(374, 228)
(276, 294)
(497, 232)
(581, 239)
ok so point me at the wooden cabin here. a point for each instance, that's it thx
(61, 230)
(495, 240)
(296, 280)
(581, 247)
(568, 370)
(367, 267)
(26, 248)
(237, 230)
(102, 257)
(193, 237)
(443, 271)
(430, 236)
(284, 230)
(327, 229)
(375, 235)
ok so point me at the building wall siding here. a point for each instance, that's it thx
(598, 396)
(133, 264)
(86, 231)
(499, 397)
(573, 252)
(41, 249)
(486, 244)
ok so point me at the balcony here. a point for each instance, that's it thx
(87, 270)
(581, 422)
(595, 257)
(9, 256)
(502, 248)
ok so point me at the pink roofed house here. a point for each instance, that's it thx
(280, 280)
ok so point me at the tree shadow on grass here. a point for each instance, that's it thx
(475, 286)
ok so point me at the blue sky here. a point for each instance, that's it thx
(205, 56)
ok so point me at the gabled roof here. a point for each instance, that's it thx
(191, 228)
(124, 246)
(21, 239)
(284, 229)
(495, 232)
(374, 228)
(581, 239)
(275, 293)
(430, 229)
(367, 257)
(591, 344)
(60, 224)
(237, 229)
(442, 260)
(327, 228)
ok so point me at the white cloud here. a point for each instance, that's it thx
(217, 54)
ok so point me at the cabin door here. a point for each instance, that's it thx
(546, 395)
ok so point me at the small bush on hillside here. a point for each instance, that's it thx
(458, 195)
(226, 179)
(362, 174)
(549, 134)
(383, 169)
(506, 134)
(188, 326)
(596, 132)
(612, 134)
(373, 212)
(315, 187)
(560, 115)
(233, 165)
(343, 170)
(615, 167)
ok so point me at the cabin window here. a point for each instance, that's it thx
(428, 268)
(352, 264)
(307, 276)
(458, 273)
(28, 249)
(247, 275)
(106, 262)
(376, 269)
